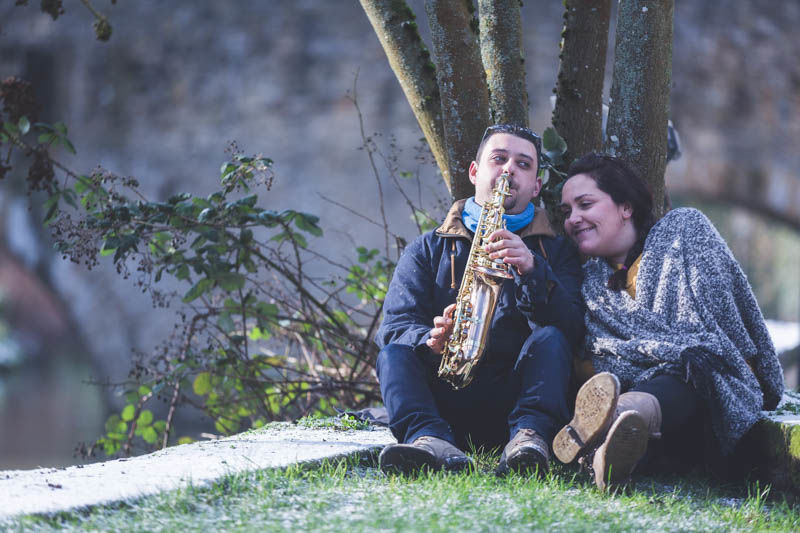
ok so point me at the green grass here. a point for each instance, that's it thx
(352, 495)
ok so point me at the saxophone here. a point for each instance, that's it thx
(477, 295)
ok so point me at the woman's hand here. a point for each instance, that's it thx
(442, 328)
(509, 247)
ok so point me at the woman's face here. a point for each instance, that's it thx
(598, 226)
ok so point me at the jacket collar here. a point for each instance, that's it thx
(454, 227)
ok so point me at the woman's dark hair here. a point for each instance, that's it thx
(618, 180)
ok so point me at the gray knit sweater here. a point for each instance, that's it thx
(694, 316)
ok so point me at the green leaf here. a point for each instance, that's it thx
(197, 290)
(24, 125)
(257, 334)
(149, 435)
(185, 440)
(182, 272)
(145, 418)
(205, 214)
(128, 412)
(51, 208)
(11, 128)
(46, 138)
(202, 384)
(308, 223)
(553, 145)
(113, 423)
(230, 281)
(224, 425)
(300, 240)
(69, 146)
(225, 322)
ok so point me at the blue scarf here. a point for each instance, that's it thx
(514, 223)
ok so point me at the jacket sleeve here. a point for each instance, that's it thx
(408, 306)
(550, 295)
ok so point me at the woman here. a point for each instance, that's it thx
(671, 321)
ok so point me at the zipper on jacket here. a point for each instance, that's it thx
(452, 263)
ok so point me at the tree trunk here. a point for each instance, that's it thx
(639, 106)
(503, 60)
(395, 25)
(462, 87)
(578, 114)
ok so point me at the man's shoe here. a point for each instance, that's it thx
(595, 407)
(527, 452)
(425, 452)
(624, 446)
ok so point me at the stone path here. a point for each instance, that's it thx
(59, 489)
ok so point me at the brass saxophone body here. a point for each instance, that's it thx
(477, 296)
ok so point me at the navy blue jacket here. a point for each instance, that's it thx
(422, 286)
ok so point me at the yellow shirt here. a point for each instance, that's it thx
(633, 271)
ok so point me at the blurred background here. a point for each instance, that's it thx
(175, 85)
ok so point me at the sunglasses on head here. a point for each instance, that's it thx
(519, 131)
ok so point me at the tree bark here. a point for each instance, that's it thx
(395, 25)
(462, 87)
(503, 60)
(578, 114)
(639, 106)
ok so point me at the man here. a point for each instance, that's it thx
(520, 387)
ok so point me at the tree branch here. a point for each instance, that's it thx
(503, 60)
(395, 25)
(639, 106)
(462, 86)
(578, 114)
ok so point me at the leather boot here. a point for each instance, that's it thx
(637, 419)
(595, 406)
(527, 452)
(425, 452)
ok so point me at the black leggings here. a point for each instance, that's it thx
(682, 428)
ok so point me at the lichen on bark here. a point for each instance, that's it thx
(577, 116)
(462, 87)
(503, 59)
(639, 105)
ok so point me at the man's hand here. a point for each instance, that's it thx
(509, 247)
(442, 328)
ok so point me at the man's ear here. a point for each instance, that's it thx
(473, 172)
(538, 188)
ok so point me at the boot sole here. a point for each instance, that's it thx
(405, 459)
(594, 410)
(624, 446)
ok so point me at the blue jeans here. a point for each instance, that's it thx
(499, 401)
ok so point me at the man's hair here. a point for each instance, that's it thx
(518, 131)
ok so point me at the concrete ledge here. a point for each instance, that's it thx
(48, 490)
(772, 449)
(772, 446)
